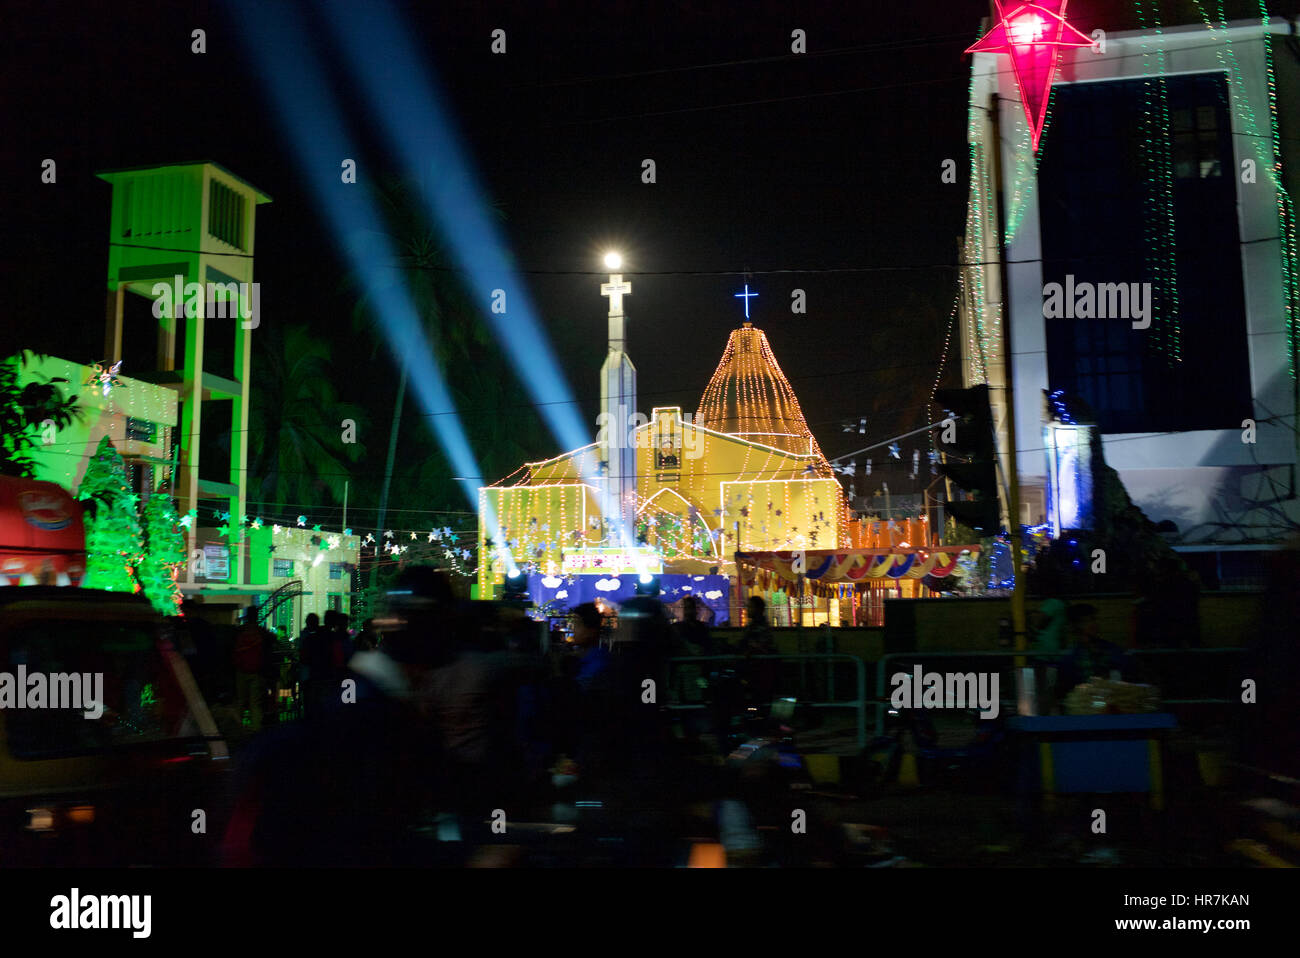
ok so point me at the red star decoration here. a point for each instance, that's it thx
(1033, 34)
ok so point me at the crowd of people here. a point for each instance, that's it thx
(446, 711)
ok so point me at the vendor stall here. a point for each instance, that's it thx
(848, 580)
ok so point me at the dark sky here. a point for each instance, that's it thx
(766, 161)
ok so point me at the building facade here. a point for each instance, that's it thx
(1151, 272)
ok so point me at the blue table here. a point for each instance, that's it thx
(1096, 753)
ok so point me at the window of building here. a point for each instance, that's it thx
(128, 210)
(1196, 142)
(140, 430)
(337, 570)
(1098, 227)
(226, 214)
(282, 568)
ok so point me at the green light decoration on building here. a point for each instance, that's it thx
(164, 554)
(1270, 163)
(114, 541)
(1161, 238)
(146, 696)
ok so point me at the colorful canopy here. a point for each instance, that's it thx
(855, 568)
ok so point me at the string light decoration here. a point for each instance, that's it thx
(1271, 164)
(985, 332)
(749, 397)
(984, 335)
(1160, 222)
(114, 542)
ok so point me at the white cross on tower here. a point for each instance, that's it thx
(616, 289)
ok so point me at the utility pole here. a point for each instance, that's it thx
(1008, 377)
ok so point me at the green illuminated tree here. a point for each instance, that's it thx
(164, 554)
(114, 546)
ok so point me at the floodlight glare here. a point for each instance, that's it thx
(613, 260)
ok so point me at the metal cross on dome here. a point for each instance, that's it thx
(1033, 33)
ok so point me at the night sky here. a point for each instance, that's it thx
(819, 171)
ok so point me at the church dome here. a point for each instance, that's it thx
(750, 398)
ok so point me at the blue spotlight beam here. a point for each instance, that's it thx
(403, 96)
(316, 132)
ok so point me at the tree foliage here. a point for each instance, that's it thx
(23, 411)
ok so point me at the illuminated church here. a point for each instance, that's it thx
(743, 472)
(735, 498)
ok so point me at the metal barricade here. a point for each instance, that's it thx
(858, 704)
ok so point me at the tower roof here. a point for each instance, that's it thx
(749, 397)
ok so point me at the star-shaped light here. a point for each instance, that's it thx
(302, 522)
(275, 529)
(347, 532)
(186, 520)
(388, 534)
(432, 537)
(105, 377)
(334, 542)
(257, 523)
(1033, 33)
(224, 531)
(894, 452)
(316, 527)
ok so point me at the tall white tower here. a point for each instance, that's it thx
(618, 404)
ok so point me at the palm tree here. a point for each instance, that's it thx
(296, 421)
(438, 300)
